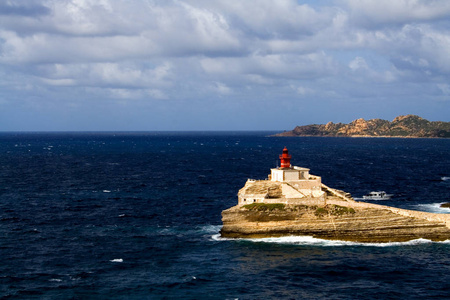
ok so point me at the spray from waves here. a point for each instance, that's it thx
(210, 229)
(362, 198)
(433, 208)
(311, 241)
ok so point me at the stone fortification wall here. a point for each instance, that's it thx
(307, 187)
(249, 199)
(264, 191)
(290, 192)
(310, 201)
(336, 193)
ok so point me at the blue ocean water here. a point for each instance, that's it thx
(137, 216)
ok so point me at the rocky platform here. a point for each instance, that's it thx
(337, 220)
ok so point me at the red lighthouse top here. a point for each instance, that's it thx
(285, 159)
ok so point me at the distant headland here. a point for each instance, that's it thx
(410, 126)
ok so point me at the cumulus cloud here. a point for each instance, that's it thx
(381, 13)
(180, 50)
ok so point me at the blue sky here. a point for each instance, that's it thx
(220, 65)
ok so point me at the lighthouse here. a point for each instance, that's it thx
(285, 159)
(285, 184)
(286, 172)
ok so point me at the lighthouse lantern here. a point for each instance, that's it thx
(285, 159)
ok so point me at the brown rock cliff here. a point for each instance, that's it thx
(401, 126)
(346, 221)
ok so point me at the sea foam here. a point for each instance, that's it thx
(210, 228)
(311, 241)
(433, 208)
(362, 198)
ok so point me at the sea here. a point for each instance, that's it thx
(137, 215)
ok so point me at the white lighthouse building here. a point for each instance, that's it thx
(286, 184)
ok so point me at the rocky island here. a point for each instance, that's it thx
(293, 202)
(401, 126)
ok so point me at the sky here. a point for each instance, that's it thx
(109, 65)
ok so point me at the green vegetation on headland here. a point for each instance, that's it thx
(264, 206)
(319, 211)
(401, 126)
(334, 210)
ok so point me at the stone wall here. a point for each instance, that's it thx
(298, 201)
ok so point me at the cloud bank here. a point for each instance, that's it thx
(197, 64)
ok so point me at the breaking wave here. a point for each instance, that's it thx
(311, 241)
(433, 208)
(209, 229)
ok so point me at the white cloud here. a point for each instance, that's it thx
(302, 91)
(129, 94)
(59, 82)
(242, 50)
(358, 63)
(445, 88)
(362, 72)
(258, 79)
(376, 13)
(221, 88)
(123, 75)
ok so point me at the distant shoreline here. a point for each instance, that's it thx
(363, 136)
(409, 126)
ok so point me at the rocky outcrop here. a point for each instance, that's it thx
(336, 220)
(401, 126)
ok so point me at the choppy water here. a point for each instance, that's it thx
(137, 216)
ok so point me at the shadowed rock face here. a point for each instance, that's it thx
(401, 126)
(335, 222)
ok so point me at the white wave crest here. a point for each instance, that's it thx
(445, 178)
(116, 260)
(208, 229)
(433, 208)
(362, 199)
(311, 241)
(217, 237)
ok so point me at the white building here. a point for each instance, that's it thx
(286, 184)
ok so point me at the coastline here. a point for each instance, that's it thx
(408, 126)
(365, 222)
(360, 136)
